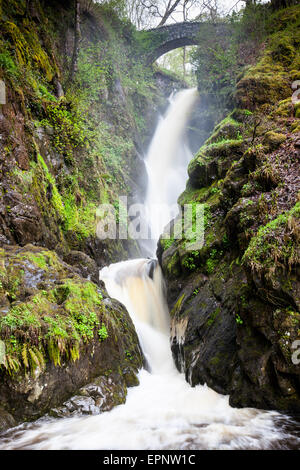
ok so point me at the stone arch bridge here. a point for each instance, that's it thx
(168, 37)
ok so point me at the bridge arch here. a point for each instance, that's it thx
(165, 38)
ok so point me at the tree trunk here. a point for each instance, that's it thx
(184, 62)
(77, 37)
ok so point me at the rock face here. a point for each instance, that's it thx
(63, 154)
(235, 317)
(65, 148)
(68, 347)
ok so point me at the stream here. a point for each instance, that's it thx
(164, 411)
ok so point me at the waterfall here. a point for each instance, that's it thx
(129, 281)
(143, 296)
(164, 411)
(166, 162)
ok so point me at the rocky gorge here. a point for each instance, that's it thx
(68, 145)
(235, 302)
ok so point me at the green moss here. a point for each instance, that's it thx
(175, 310)
(69, 128)
(171, 265)
(268, 81)
(213, 161)
(282, 47)
(284, 108)
(56, 199)
(227, 129)
(221, 149)
(11, 281)
(79, 219)
(191, 194)
(53, 323)
(296, 127)
(8, 64)
(213, 316)
(274, 247)
(213, 260)
(102, 332)
(189, 260)
(274, 139)
(166, 243)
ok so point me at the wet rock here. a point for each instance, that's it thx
(86, 266)
(6, 420)
(234, 301)
(81, 405)
(101, 395)
(203, 332)
(25, 223)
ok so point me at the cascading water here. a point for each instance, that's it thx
(163, 412)
(166, 163)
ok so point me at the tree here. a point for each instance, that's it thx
(144, 13)
(77, 36)
(277, 4)
(153, 13)
(170, 8)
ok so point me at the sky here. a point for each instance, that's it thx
(225, 5)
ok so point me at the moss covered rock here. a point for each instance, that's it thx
(213, 160)
(59, 332)
(274, 139)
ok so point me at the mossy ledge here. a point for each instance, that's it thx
(60, 332)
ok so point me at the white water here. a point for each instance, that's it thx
(163, 412)
(166, 162)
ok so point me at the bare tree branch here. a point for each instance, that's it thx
(169, 11)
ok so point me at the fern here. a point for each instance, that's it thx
(25, 356)
(40, 356)
(61, 345)
(74, 352)
(11, 364)
(34, 361)
(54, 354)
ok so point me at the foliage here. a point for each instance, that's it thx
(51, 325)
(216, 66)
(224, 56)
(213, 260)
(102, 332)
(274, 247)
(178, 62)
(69, 128)
(8, 64)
